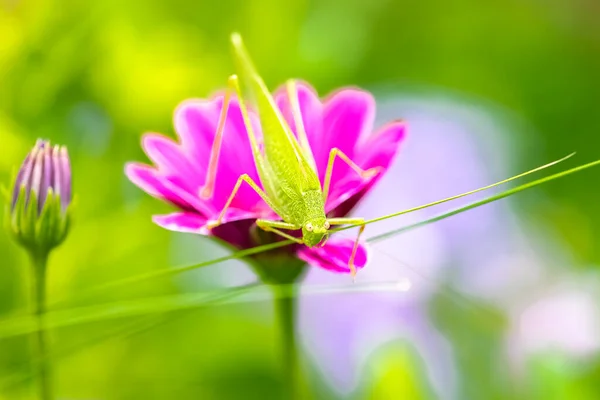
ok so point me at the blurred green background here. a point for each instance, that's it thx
(96, 75)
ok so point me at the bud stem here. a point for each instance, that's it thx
(40, 350)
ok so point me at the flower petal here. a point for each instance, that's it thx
(311, 110)
(377, 151)
(340, 122)
(352, 187)
(335, 255)
(192, 222)
(188, 222)
(380, 149)
(348, 115)
(65, 178)
(150, 180)
(196, 123)
(172, 161)
(47, 173)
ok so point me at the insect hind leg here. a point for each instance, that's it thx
(337, 153)
(276, 226)
(207, 190)
(351, 221)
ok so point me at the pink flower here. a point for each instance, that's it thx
(343, 120)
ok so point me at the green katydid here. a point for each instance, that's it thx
(286, 167)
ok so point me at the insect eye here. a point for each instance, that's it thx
(309, 227)
(327, 225)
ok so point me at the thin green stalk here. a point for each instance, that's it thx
(285, 308)
(39, 263)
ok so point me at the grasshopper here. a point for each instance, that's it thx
(285, 164)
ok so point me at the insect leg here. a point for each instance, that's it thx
(335, 153)
(275, 226)
(207, 190)
(292, 94)
(351, 221)
(346, 221)
(253, 185)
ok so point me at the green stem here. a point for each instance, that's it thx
(40, 348)
(285, 307)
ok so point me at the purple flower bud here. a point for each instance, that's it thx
(46, 169)
(39, 206)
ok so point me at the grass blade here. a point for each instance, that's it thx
(259, 249)
(470, 192)
(476, 204)
(163, 304)
(176, 270)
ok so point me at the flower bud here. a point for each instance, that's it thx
(38, 211)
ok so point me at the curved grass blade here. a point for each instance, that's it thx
(271, 246)
(168, 303)
(176, 270)
(458, 196)
(82, 315)
(476, 204)
(163, 304)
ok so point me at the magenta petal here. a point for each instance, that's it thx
(196, 123)
(344, 120)
(191, 222)
(149, 180)
(172, 161)
(344, 117)
(344, 190)
(181, 222)
(348, 115)
(335, 255)
(379, 151)
(311, 110)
